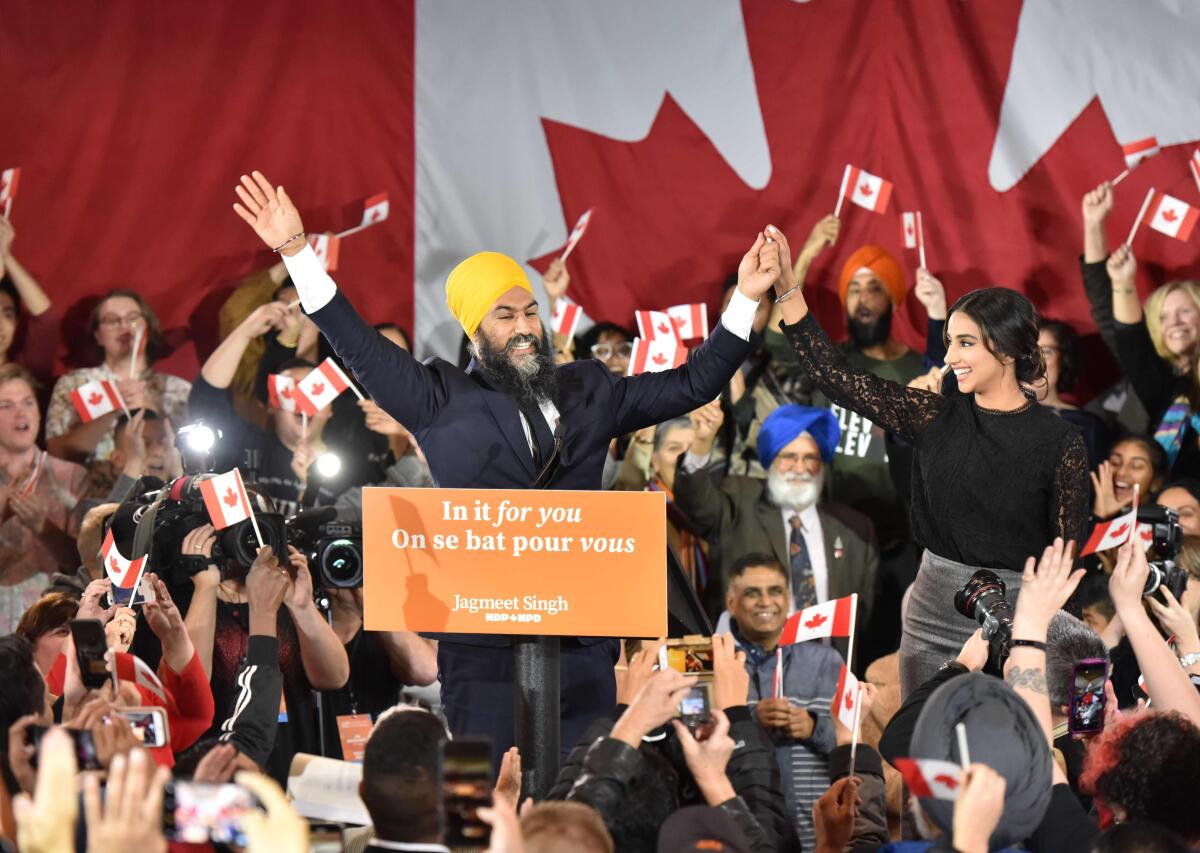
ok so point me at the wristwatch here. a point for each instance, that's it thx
(1189, 660)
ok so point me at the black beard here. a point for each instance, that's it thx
(529, 390)
(873, 333)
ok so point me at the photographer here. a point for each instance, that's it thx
(310, 654)
(282, 460)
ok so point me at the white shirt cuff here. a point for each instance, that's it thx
(313, 285)
(693, 463)
(739, 315)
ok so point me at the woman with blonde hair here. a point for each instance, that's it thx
(1156, 346)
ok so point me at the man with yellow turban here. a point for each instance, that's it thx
(510, 420)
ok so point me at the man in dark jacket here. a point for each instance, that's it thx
(512, 420)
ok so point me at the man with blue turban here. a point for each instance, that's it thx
(829, 550)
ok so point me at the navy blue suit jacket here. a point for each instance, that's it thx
(471, 433)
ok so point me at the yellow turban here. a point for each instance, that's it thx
(476, 283)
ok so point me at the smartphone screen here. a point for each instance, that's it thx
(695, 707)
(90, 646)
(199, 812)
(85, 747)
(466, 786)
(149, 725)
(1086, 713)
(690, 660)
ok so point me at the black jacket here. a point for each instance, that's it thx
(600, 769)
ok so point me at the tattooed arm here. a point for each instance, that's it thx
(1044, 589)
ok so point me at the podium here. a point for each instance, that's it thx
(531, 564)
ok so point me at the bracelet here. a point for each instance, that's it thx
(288, 240)
(786, 294)
(1033, 644)
(1189, 660)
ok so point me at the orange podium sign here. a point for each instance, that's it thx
(520, 561)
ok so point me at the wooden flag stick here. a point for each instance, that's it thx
(853, 623)
(854, 734)
(137, 344)
(921, 240)
(777, 692)
(964, 754)
(1138, 221)
(837, 210)
(1119, 178)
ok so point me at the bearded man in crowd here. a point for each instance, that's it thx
(829, 550)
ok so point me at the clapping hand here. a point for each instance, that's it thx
(270, 212)
(760, 267)
(1105, 504)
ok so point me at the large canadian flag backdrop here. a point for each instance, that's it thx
(686, 124)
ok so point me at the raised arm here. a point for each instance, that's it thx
(35, 299)
(402, 386)
(904, 411)
(651, 398)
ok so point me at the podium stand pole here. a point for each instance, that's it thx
(536, 712)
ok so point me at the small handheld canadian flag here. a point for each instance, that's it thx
(833, 618)
(864, 189)
(321, 387)
(564, 320)
(226, 500)
(930, 777)
(1114, 532)
(96, 399)
(133, 670)
(1171, 216)
(908, 228)
(8, 189)
(375, 209)
(656, 326)
(656, 356)
(690, 321)
(125, 574)
(281, 392)
(327, 247)
(577, 233)
(845, 701)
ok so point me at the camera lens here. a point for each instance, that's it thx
(341, 563)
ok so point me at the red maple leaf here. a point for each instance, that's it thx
(318, 388)
(116, 565)
(1147, 534)
(948, 781)
(676, 322)
(663, 327)
(1120, 531)
(816, 620)
(659, 359)
(1170, 215)
(848, 701)
(865, 189)
(231, 497)
(95, 398)
(909, 229)
(286, 393)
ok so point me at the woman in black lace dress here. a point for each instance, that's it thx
(996, 477)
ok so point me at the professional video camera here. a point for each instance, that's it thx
(333, 548)
(982, 598)
(1166, 538)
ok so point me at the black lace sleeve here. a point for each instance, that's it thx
(901, 410)
(1069, 506)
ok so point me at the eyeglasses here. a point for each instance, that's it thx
(605, 351)
(132, 320)
(790, 460)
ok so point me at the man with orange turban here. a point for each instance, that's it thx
(512, 420)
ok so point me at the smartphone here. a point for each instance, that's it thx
(200, 812)
(90, 647)
(149, 725)
(695, 709)
(1085, 715)
(690, 655)
(145, 592)
(85, 747)
(466, 786)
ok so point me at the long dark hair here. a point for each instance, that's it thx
(1008, 323)
(1067, 340)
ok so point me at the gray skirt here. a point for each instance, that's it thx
(933, 631)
